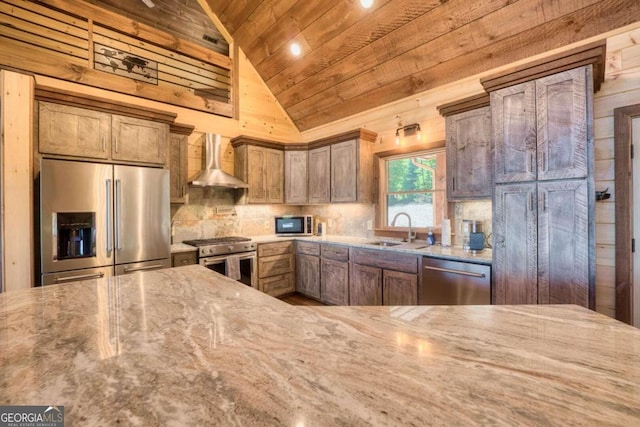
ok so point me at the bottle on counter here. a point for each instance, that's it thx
(431, 238)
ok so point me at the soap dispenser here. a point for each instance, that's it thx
(431, 239)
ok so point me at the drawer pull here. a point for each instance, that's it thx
(448, 270)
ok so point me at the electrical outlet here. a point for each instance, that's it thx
(369, 225)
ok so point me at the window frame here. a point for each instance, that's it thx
(381, 220)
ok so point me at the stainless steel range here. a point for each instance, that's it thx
(232, 256)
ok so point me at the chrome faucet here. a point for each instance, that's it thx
(411, 236)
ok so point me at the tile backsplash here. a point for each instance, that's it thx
(212, 212)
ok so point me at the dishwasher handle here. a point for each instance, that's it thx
(448, 270)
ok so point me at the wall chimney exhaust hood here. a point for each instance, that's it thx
(212, 175)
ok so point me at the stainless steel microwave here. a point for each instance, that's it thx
(289, 225)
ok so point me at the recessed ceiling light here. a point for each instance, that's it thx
(296, 49)
(366, 3)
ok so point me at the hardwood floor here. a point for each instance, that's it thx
(299, 299)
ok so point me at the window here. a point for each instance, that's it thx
(414, 183)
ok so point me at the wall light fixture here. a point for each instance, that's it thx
(408, 130)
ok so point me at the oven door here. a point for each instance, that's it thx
(247, 265)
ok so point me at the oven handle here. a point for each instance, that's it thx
(220, 259)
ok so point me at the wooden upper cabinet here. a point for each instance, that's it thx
(260, 167)
(274, 167)
(561, 106)
(79, 132)
(73, 131)
(540, 128)
(469, 155)
(320, 175)
(178, 162)
(139, 140)
(296, 177)
(345, 167)
(513, 113)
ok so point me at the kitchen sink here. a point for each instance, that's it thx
(385, 243)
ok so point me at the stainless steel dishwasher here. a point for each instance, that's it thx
(446, 282)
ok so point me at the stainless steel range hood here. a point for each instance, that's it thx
(212, 175)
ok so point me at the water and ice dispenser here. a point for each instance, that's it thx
(75, 234)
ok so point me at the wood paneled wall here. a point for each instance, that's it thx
(16, 102)
(621, 88)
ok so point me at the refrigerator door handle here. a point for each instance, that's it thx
(118, 212)
(146, 267)
(109, 221)
(99, 275)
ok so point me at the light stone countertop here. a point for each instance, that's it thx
(186, 346)
(177, 248)
(416, 248)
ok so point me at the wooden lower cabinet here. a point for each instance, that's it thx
(308, 269)
(399, 288)
(542, 250)
(184, 258)
(276, 268)
(308, 275)
(365, 287)
(335, 282)
(383, 278)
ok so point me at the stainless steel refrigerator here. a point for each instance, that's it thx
(98, 220)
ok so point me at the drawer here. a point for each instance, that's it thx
(184, 258)
(278, 248)
(336, 253)
(308, 248)
(275, 265)
(278, 285)
(387, 260)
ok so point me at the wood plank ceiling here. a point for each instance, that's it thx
(354, 59)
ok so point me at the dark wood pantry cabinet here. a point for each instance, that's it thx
(544, 198)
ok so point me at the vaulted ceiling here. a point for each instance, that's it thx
(354, 59)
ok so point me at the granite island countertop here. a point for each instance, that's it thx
(186, 346)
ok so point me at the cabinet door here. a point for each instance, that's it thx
(277, 285)
(513, 116)
(344, 171)
(561, 107)
(184, 258)
(73, 131)
(320, 175)
(563, 236)
(274, 180)
(399, 288)
(178, 167)
(365, 286)
(275, 265)
(308, 275)
(256, 175)
(515, 257)
(139, 140)
(469, 155)
(295, 177)
(335, 282)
